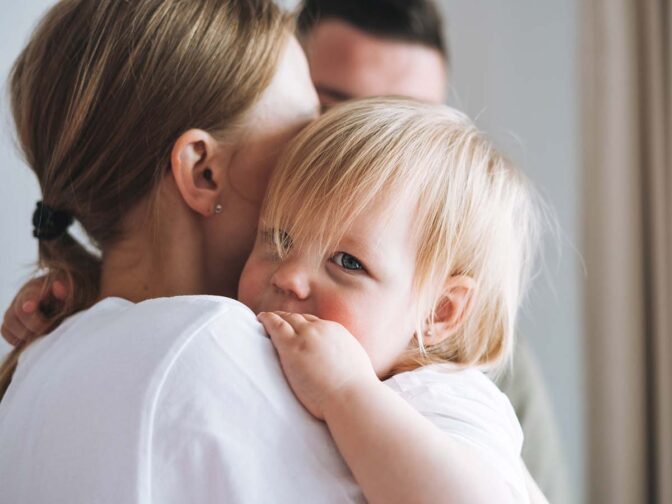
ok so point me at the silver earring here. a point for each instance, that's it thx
(218, 208)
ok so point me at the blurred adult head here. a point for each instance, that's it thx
(359, 48)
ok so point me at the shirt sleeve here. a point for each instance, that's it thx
(466, 405)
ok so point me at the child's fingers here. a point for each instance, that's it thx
(59, 291)
(28, 314)
(9, 336)
(277, 327)
(27, 307)
(296, 320)
(31, 310)
(13, 330)
(44, 295)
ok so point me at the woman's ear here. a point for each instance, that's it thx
(452, 310)
(199, 167)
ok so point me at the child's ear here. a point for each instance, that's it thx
(199, 166)
(452, 310)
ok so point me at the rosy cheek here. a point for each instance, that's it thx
(348, 314)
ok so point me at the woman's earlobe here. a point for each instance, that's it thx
(196, 168)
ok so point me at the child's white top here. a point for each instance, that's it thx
(175, 400)
(468, 406)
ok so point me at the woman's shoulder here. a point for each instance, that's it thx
(203, 349)
(164, 322)
(194, 307)
(146, 340)
(163, 311)
(181, 331)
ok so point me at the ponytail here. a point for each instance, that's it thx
(66, 260)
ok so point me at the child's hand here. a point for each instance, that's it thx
(31, 313)
(321, 359)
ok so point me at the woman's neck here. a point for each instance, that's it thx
(159, 260)
(138, 277)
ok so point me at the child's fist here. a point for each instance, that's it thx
(320, 359)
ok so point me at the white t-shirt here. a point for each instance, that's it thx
(182, 400)
(467, 405)
(174, 400)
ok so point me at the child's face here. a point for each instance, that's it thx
(365, 283)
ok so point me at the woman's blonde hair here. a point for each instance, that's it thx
(103, 90)
(474, 213)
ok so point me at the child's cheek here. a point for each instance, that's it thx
(251, 285)
(350, 316)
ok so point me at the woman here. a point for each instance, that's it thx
(155, 124)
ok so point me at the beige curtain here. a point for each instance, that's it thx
(626, 50)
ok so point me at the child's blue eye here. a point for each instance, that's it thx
(348, 262)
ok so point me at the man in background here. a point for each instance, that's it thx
(374, 48)
(359, 48)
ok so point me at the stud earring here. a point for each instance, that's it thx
(218, 208)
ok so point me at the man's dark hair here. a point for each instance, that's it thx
(415, 21)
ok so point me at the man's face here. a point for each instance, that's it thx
(345, 62)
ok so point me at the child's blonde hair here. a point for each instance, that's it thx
(474, 211)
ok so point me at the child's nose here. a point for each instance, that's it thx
(291, 279)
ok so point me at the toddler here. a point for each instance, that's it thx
(395, 244)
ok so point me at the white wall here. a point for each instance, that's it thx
(18, 188)
(514, 68)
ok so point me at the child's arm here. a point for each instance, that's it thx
(395, 454)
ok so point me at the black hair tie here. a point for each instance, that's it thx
(49, 224)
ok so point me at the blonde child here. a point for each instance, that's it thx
(394, 238)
